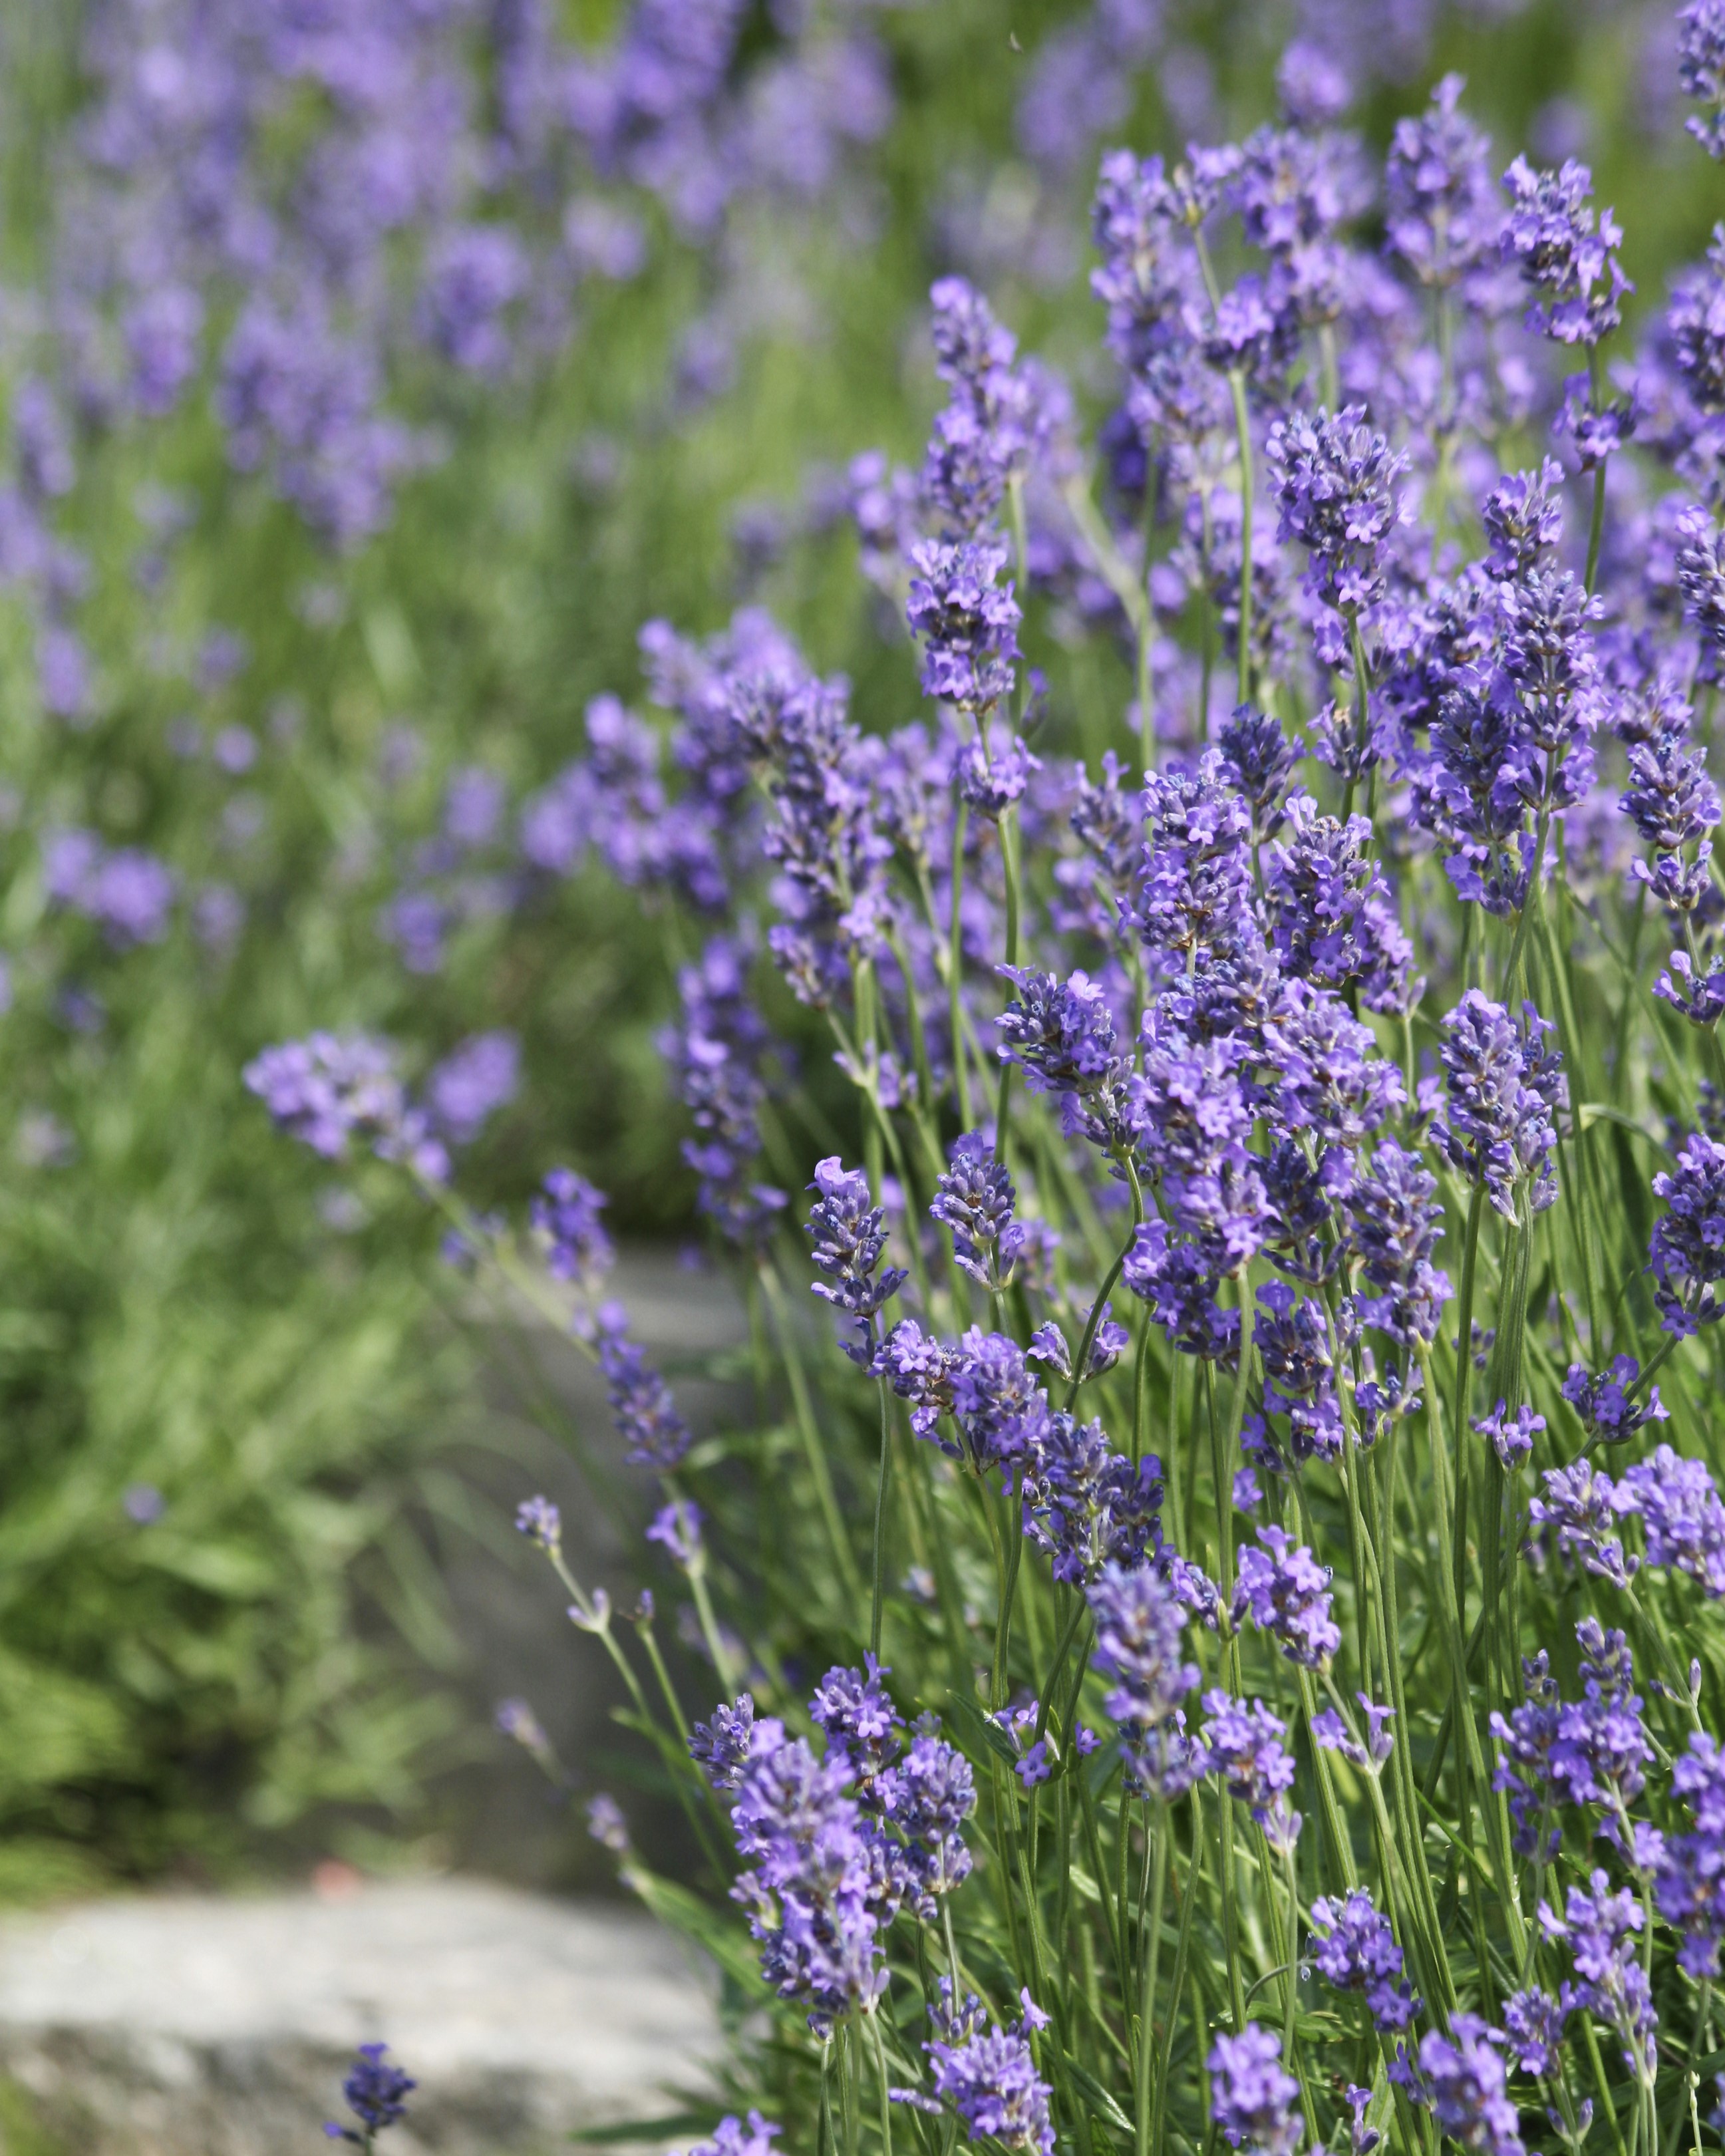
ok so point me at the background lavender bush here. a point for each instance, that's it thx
(373, 376)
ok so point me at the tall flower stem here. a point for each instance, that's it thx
(1243, 432)
(820, 1471)
(1009, 868)
(879, 1602)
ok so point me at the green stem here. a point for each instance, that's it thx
(1242, 427)
(955, 968)
(878, 1604)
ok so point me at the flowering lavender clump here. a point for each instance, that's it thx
(1355, 1949)
(642, 1407)
(721, 1746)
(677, 1529)
(808, 1893)
(999, 1407)
(849, 1236)
(1688, 1253)
(375, 2092)
(731, 2138)
(1599, 1928)
(1442, 212)
(1700, 69)
(565, 1217)
(966, 620)
(975, 1197)
(1564, 253)
(1086, 1504)
(1533, 2024)
(990, 2077)
(1254, 2099)
(328, 1088)
(1691, 1871)
(1681, 1516)
(1606, 1404)
(1335, 480)
(1460, 2080)
(1287, 1593)
(1510, 1436)
(1581, 1506)
(1502, 1085)
(1393, 1225)
(1140, 1628)
(1243, 1745)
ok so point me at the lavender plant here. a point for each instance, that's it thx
(1315, 1740)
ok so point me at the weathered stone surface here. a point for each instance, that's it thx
(193, 2026)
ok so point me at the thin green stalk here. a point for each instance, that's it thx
(820, 1471)
(1150, 1954)
(1463, 1372)
(1010, 866)
(1243, 433)
(886, 2094)
(955, 968)
(879, 1603)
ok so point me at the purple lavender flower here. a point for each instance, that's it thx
(375, 2092)
(1580, 1507)
(540, 1521)
(1699, 572)
(927, 1795)
(1502, 1085)
(1287, 1593)
(1673, 803)
(999, 1407)
(1690, 1881)
(1700, 69)
(717, 1051)
(1243, 1745)
(1604, 1403)
(677, 1529)
(566, 1217)
(1331, 916)
(721, 1746)
(1511, 1435)
(1334, 490)
(128, 893)
(1460, 2080)
(1260, 758)
(1334, 1083)
(849, 1236)
(1688, 1253)
(991, 2080)
(642, 1407)
(1254, 2099)
(809, 1889)
(1600, 1928)
(1524, 1765)
(1395, 1223)
(1442, 212)
(730, 2137)
(975, 1199)
(467, 1088)
(1086, 1505)
(1681, 1516)
(1564, 253)
(328, 1087)
(1355, 1949)
(1140, 1628)
(966, 620)
(1533, 2022)
(1523, 520)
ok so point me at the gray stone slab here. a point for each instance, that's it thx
(188, 2025)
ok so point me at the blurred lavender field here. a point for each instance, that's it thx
(373, 370)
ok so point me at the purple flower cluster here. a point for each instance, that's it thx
(1461, 2079)
(1243, 1746)
(376, 2091)
(127, 892)
(1286, 1592)
(975, 1198)
(988, 2074)
(328, 1088)
(1140, 1643)
(850, 1234)
(1688, 1253)
(1502, 1086)
(1355, 1949)
(1254, 2099)
(1564, 254)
